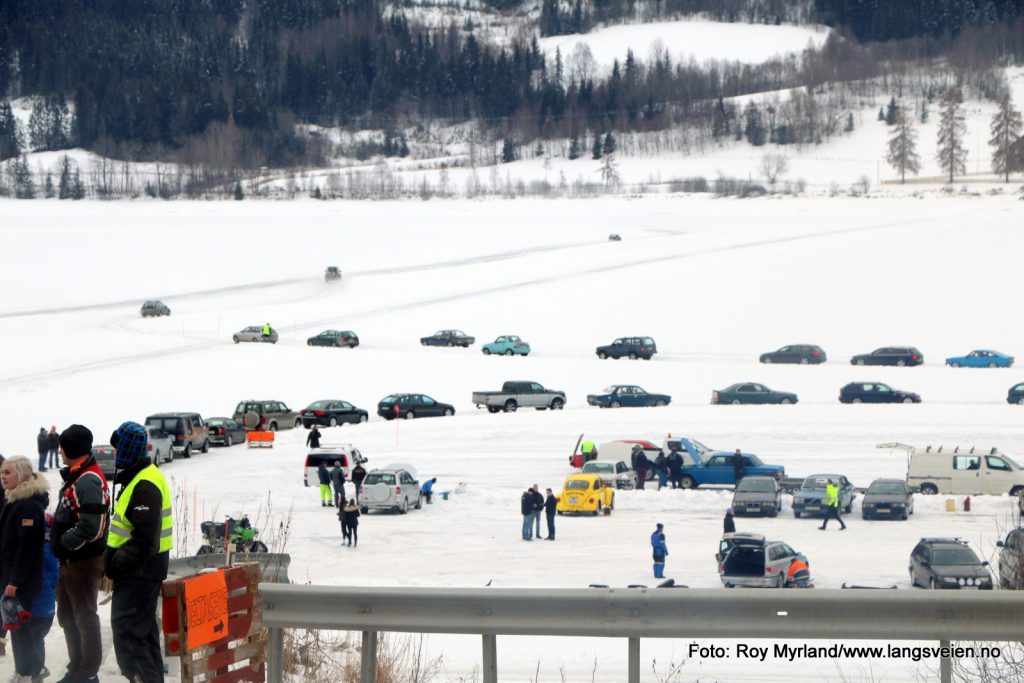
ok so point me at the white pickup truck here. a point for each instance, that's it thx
(515, 395)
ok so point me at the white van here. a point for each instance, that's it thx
(330, 453)
(967, 471)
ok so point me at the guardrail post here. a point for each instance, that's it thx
(490, 658)
(368, 670)
(945, 665)
(275, 656)
(634, 660)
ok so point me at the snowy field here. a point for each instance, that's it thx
(715, 282)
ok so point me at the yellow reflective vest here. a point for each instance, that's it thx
(832, 495)
(121, 528)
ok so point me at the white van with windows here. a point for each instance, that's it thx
(344, 453)
(964, 471)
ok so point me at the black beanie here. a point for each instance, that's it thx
(76, 441)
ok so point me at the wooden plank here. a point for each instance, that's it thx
(254, 673)
(224, 658)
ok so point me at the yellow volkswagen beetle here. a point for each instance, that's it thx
(586, 493)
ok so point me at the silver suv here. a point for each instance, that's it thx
(390, 488)
(1011, 552)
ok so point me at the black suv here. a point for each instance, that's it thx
(155, 309)
(409, 406)
(948, 563)
(890, 355)
(629, 347)
(875, 392)
(804, 354)
(187, 430)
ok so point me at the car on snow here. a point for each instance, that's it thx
(1016, 394)
(810, 497)
(627, 396)
(628, 347)
(517, 394)
(104, 454)
(409, 406)
(751, 393)
(154, 309)
(390, 488)
(254, 333)
(757, 496)
(964, 471)
(981, 358)
(506, 345)
(616, 474)
(717, 470)
(332, 273)
(331, 413)
(225, 431)
(159, 445)
(1011, 560)
(892, 498)
(188, 432)
(266, 416)
(752, 561)
(585, 494)
(890, 355)
(802, 354)
(330, 453)
(875, 392)
(448, 338)
(337, 338)
(948, 563)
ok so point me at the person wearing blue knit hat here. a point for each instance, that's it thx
(138, 551)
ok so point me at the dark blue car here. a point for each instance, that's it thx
(1016, 394)
(627, 396)
(628, 347)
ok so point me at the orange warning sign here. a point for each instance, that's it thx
(206, 609)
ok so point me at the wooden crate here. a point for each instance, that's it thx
(241, 654)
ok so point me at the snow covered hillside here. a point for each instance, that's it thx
(715, 282)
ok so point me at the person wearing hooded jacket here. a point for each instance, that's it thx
(79, 539)
(138, 551)
(22, 535)
(659, 551)
(43, 446)
(358, 474)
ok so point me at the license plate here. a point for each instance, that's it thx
(968, 588)
(574, 500)
(883, 511)
(753, 508)
(813, 507)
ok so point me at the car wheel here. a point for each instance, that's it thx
(510, 352)
(735, 401)
(856, 400)
(170, 455)
(929, 489)
(767, 360)
(557, 404)
(487, 352)
(204, 550)
(493, 409)
(954, 364)
(1020, 401)
(309, 343)
(333, 422)
(905, 516)
(235, 339)
(687, 482)
(913, 579)
(602, 355)
(860, 362)
(785, 401)
(774, 511)
(849, 508)
(510, 406)
(188, 451)
(598, 510)
(901, 363)
(632, 356)
(206, 447)
(409, 415)
(423, 343)
(660, 404)
(805, 361)
(448, 412)
(781, 581)
(908, 400)
(931, 583)
(449, 345)
(228, 441)
(992, 365)
(273, 426)
(419, 503)
(363, 418)
(611, 505)
(615, 404)
(796, 514)
(405, 506)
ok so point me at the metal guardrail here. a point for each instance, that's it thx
(274, 565)
(640, 613)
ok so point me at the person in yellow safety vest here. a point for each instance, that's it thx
(138, 550)
(832, 506)
(589, 451)
(266, 330)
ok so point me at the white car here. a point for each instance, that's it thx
(616, 474)
(158, 445)
(390, 488)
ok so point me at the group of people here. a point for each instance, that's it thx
(54, 564)
(47, 444)
(332, 484)
(532, 504)
(669, 468)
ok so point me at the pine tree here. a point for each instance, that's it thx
(754, 129)
(1006, 130)
(39, 124)
(11, 138)
(48, 186)
(24, 188)
(64, 182)
(881, 114)
(574, 147)
(952, 154)
(924, 112)
(508, 151)
(849, 123)
(609, 143)
(595, 151)
(609, 171)
(891, 112)
(902, 153)
(239, 194)
(77, 186)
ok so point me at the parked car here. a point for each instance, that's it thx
(187, 430)
(225, 431)
(717, 469)
(410, 406)
(344, 453)
(254, 333)
(804, 354)
(339, 338)
(948, 563)
(757, 496)
(448, 338)
(890, 355)
(507, 345)
(616, 474)
(266, 416)
(1016, 394)
(159, 445)
(518, 394)
(628, 396)
(391, 488)
(332, 273)
(751, 393)
(332, 413)
(875, 392)
(1011, 560)
(629, 347)
(962, 471)
(154, 309)
(892, 498)
(614, 237)
(586, 494)
(810, 498)
(981, 358)
(752, 561)
(104, 454)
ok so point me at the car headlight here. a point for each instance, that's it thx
(962, 581)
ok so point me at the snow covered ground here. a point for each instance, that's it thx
(715, 282)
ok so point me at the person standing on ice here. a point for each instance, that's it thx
(661, 469)
(313, 438)
(358, 474)
(267, 331)
(550, 505)
(350, 520)
(338, 482)
(526, 508)
(538, 506)
(43, 445)
(660, 551)
(728, 524)
(832, 506)
(54, 455)
(675, 469)
(738, 465)
(642, 465)
(325, 485)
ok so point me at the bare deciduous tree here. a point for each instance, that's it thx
(952, 154)
(902, 154)
(774, 166)
(1005, 129)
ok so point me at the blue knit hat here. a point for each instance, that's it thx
(130, 440)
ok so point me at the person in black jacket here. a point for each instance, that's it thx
(22, 534)
(43, 445)
(313, 438)
(728, 524)
(338, 482)
(675, 469)
(526, 508)
(538, 506)
(358, 474)
(738, 465)
(350, 521)
(550, 505)
(53, 458)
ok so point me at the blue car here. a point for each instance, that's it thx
(507, 345)
(627, 396)
(810, 498)
(981, 358)
(718, 470)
